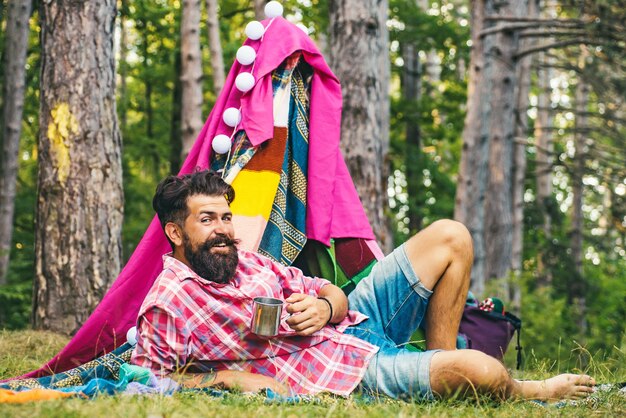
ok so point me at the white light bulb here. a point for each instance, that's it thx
(254, 30)
(273, 9)
(131, 336)
(303, 28)
(221, 144)
(246, 55)
(232, 117)
(244, 82)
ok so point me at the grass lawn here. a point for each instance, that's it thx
(26, 350)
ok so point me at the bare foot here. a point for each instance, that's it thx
(563, 386)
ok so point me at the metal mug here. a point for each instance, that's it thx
(266, 316)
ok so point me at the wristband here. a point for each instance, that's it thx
(330, 307)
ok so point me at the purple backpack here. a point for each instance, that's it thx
(489, 329)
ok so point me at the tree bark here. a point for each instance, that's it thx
(16, 45)
(513, 293)
(175, 143)
(384, 65)
(472, 178)
(191, 75)
(123, 66)
(577, 294)
(215, 46)
(2, 50)
(417, 79)
(411, 91)
(484, 194)
(582, 93)
(545, 148)
(501, 132)
(358, 35)
(80, 202)
(543, 138)
(148, 82)
(259, 9)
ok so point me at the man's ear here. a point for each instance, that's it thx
(174, 233)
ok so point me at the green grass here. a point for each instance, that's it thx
(22, 351)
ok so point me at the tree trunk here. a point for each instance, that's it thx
(472, 178)
(123, 67)
(577, 288)
(175, 143)
(215, 46)
(16, 45)
(191, 75)
(80, 203)
(259, 9)
(484, 194)
(357, 35)
(2, 50)
(544, 146)
(384, 65)
(417, 79)
(148, 81)
(519, 163)
(499, 104)
(432, 66)
(411, 90)
(543, 138)
(582, 92)
(544, 160)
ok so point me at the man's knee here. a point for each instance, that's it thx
(466, 371)
(488, 375)
(454, 235)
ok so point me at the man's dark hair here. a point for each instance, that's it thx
(170, 199)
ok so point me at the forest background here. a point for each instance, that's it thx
(507, 116)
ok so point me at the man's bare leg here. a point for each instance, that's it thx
(471, 372)
(442, 256)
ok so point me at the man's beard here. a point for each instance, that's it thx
(216, 267)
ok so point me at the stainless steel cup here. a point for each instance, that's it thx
(266, 316)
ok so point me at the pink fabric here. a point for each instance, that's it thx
(187, 320)
(333, 209)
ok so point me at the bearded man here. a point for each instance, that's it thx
(194, 325)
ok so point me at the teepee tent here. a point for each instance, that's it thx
(295, 200)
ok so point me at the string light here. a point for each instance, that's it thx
(273, 9)
(246, 55)
(232, 117)
(221, 144)
(254, 30)
(244, 82)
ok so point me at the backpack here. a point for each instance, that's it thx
(488, 328)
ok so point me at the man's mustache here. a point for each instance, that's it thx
(219, 240)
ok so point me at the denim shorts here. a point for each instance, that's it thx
(395, 300)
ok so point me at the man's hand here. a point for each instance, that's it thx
(309, 314)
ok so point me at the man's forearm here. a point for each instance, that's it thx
(196, 380)
(231, 379)
(338, 300)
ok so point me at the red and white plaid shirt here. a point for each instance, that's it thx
(186, 319)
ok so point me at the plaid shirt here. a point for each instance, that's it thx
(188, 320)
